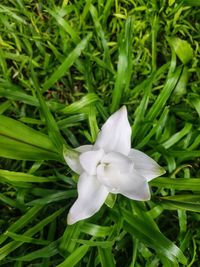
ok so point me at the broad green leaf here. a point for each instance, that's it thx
(18, 141)
(182, 49)
(14, 149)
(18, 131)
(23, 177)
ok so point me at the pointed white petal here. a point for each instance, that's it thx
(115, 134)
(72, 159)
(91, 196)
(145, 165)
(90, 159)
(131, 185)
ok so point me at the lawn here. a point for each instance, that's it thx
(65, 67)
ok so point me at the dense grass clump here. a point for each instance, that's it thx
(65, 66)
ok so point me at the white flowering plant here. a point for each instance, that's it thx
(97, 100)
(110, 166)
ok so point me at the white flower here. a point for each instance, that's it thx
(110, 166)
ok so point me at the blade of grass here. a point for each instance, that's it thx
(67, 63)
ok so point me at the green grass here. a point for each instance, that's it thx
(65, 66)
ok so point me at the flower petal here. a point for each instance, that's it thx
(72, 158)
(90, 159)
(131, 185)
(91, 196)
(146, 166)
(118, 161)
(84, 148)
(115, 134)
